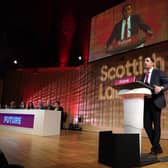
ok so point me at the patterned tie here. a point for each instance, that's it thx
(146, 77)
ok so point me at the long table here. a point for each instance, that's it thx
(36, 121)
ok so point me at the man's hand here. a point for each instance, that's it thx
(158, 89)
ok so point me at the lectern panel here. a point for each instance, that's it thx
(119, 150)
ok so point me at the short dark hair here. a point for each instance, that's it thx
(125, 5)
(150, 57)
(58, 102)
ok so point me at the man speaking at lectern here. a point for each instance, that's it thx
(154, 104)
(128, 27)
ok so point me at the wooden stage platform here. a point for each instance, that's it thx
(71, 149)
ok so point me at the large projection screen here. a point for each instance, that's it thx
(147, 24)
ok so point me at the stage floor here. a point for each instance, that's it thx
(71, 149)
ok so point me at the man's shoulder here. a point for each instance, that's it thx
(118, 24)
(135, 16)
(156, 70)
(61, 108)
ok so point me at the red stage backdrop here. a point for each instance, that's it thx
(88, 91)
(67, 31)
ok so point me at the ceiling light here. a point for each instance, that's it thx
(79, 57)
(15, 62)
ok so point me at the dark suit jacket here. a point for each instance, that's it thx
(49, 107)
(62, 115)
(60, 109)
(136, 24)
(158, 78)
(62, 112)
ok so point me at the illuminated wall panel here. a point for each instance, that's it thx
(99, 103)
(59, 85)
(87, 91)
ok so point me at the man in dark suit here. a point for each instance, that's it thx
(48, 105)
(41, 106)
(154, 104)
(128, 26)
(59, 108)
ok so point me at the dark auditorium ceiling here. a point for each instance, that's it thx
(29, 29)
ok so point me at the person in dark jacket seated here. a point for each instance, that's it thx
(48, 105)
(30, 105)
(59, 108)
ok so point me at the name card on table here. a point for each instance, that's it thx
(19, 120)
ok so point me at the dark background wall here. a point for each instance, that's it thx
(40, 33)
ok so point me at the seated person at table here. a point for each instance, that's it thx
(48, 105)
(22, 105)
(41, 106)
(59, 108)
(12, 104)
(30, 105)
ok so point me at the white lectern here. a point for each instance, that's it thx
(133, 93)
(124, 150)
(133, 103)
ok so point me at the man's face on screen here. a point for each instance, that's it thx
(127, 10)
